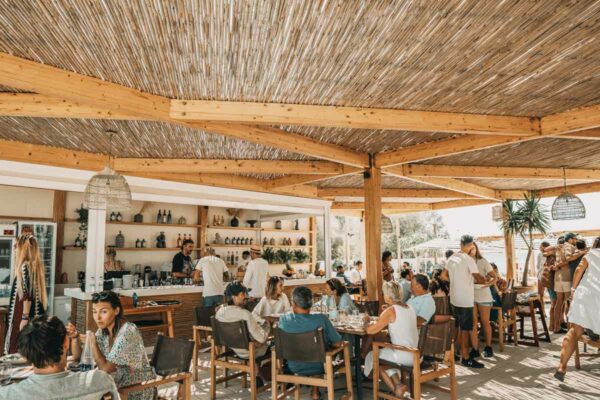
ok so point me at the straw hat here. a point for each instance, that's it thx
(255, 249)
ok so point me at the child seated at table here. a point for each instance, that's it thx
(44, 343)
(117, 345)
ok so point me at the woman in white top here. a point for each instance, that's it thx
(483, 305)
(583, 313)
(274, 301)
(401, 321)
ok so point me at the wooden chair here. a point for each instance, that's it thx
(442, 305)
(586, 342)
(507, 320)
(202, 328)
(171, 362)
(227, 336)
(370, 307)
(307, 347)
(529, 310)
(435, 341)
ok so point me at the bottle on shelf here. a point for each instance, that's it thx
(164, 217)
(119, 217)
(143, 244)
(113, 216)
(226, 239)
(237, 258)
(137, 243)
(158, 217)
(169, 218)
(228, 259)
(179, 240)
(84, 242)
(78, 241)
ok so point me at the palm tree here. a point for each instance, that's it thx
(524, 218)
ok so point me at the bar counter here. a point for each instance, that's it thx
(183, 318)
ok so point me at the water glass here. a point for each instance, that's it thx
(5, 373)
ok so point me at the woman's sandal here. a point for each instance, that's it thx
(560, 376)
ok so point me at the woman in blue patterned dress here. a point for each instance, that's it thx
(118, 348)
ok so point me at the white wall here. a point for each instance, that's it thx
(25, 202)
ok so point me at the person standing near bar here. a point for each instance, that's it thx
(386, 266)
(213, 271)
(182, 262)
(28, 297)
(257, 274)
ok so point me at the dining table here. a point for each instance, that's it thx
(357, 333)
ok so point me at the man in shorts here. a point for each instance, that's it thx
(462, 273)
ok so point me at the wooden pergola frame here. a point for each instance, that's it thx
(56, 93)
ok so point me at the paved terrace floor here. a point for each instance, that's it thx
(522, 372)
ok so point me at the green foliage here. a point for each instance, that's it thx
(82, 218)
(268, 254)
(283, 256)
(300, 256)
(524, 218)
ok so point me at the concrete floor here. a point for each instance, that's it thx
(518, 373)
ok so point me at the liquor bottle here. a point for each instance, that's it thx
(78, 241)
(119, 217)
(237, 258)
(232, 259)
(86, 362)
(158, 218)
(228, 259)
(164, 217)
(143, 244)
(137, 243)
(227, 240)
(169, 218)
(179, 240)
(113, 216)
(84, 242)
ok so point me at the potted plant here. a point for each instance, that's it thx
(82, 218)
(284, 256)
(300, 256)
(524, 218)
(268, 254)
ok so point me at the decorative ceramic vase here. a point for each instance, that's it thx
(218, 239)
(161, 241)
(251, 222)
(235, 222)
(120, 241)
(265, 242)
(272, 242)
(182, 221)
(139, 218)
(302, 242)
(277, 224)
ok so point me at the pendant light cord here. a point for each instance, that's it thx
(565, 178)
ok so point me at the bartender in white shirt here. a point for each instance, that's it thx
(257, 274)
(213, 271)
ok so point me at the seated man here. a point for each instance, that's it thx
(44, 343)
(237, 296)
(422, 301)
(300, 320)
(341, 275)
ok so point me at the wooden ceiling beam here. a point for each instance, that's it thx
(443, 205)
(340, 205)
(407, 193)
(488, 172)
(589, 134)
(293, 180)
(231, 166)
(579, 119)
(581, 188)
(351, 117)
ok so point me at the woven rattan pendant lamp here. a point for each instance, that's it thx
(107, 190)
(567, 206)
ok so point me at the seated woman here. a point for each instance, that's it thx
(583, 313)
(401, 321)
(274, 301)
(439, 287)
(338, 296)
(118, 347)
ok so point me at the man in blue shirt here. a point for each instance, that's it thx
(422, 301)
(300, 320)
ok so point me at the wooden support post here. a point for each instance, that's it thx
(312, 241)
(372, 220)
(202, 230)
(509, 252)
(58, 216)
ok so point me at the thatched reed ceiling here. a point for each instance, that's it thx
(507, 184)
(356, 181)
(519, 58)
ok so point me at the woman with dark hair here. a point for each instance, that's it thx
(439, 287)
(118, 347)
(274, 301)
(583, 314)
(386, 266)
(338, 296)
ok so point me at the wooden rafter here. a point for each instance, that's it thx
(573, 189)
(461, 171)
(231, 166)
(350, 117)
(329, 192)
(572, 121)
(442, 205)
(106, 97)
(385, 206)
(293, 180)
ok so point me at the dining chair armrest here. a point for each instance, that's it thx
(125, 390)
(202, 328)
(337, 349)
(395, 347)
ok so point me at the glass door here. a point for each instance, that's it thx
(6, 256)
(45, 233)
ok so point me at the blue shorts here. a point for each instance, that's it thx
(552, 294)
(485, 303)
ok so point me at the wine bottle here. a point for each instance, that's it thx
(78, 241)
(158, 218)
(237, 258)
(113, 216)
(137, 243)
(164, 217)
(84, 242)
(169, 218)
(179, 240)
(119, 217)
(228, 258)
(143, 244)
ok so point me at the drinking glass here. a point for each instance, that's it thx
(5, 373)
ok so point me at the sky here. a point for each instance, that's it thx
(477, 220)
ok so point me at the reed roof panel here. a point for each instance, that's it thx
(513, 57)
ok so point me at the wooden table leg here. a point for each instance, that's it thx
(195, 355)
(170, 323)
(544, 325)
(534, 325)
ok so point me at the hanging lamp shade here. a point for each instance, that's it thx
(107, 190)
(568, 206)
(386, 225)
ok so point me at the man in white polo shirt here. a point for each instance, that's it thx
(213, 270)
(462, 273)
(257, 274)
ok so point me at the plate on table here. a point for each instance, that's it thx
(14, 359)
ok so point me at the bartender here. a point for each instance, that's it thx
(182, 262)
